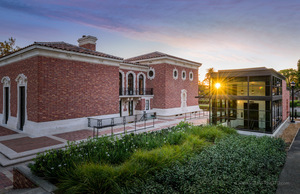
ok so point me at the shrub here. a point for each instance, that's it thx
(236, 164)
(118, 159)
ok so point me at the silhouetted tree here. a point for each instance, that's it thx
(8, 47)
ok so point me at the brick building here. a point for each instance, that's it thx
(50, 87)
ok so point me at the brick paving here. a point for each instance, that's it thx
(4, 181)
(26, 143)
(76, 135)
(4, 131)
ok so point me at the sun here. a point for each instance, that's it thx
(217, 85)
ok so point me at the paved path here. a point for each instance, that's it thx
(289, 180)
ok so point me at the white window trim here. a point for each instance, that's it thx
(6, 84)
(183, 78)
(123, 77)
(183, 98)
(192, 76)
(173, 74)
(134, 81)
(146, 104)
(144, 80)
(21, 81)
(151, 78)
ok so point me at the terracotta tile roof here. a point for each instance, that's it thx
(156, 54)
(68, 47)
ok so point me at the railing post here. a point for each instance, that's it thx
(144, 122)
(135, 120)
(124, 121)
(153, 119)
(112, 124)
(89, 122)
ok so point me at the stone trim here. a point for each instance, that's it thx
(21, 81)
(183, 72)
(175, 70)
(134, 80)
(6, 84)
(191, 73)
(123, 81)
(138, 80)
(151, 69)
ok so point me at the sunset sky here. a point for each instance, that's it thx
(223, 34)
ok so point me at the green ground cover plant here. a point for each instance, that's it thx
(181, 159)
(183, 141)
(235, 164)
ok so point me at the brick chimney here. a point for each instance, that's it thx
(88, 42)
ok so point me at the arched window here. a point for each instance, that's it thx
(22, 101)
(141, 84)
(6, 98)
(183, 98)
(130, 84)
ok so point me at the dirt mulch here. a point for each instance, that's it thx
(290, 132)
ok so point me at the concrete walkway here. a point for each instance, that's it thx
(289, 180)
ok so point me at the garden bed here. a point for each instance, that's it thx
(180, 159)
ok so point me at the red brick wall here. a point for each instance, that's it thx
(29, 68)
(89, 46)
(159, 86)
(285, 101)
(71, 89)
(167, 91)
(20, 181)
(63, 89)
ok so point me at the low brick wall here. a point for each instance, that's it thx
(20, 181)
(24, 179)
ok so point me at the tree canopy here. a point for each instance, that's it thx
(8, 47)
(290, 74)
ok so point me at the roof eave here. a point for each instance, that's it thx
(170, 58)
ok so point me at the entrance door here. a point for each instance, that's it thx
(130, 107)
(22, 107)
(253, 115)
(6, 102)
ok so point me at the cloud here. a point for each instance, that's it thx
(240, 31)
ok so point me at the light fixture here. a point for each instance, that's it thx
(278, 84)
(242, 91)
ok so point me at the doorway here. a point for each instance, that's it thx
(252, 123)
(21, 107)
(130, 107)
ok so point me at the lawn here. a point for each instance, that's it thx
(181, 159)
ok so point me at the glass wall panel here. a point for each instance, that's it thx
(259, 86)
(237, 86)
(237, 118)
(276, 86)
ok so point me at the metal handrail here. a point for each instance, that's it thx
(137, 91)
(97, 124)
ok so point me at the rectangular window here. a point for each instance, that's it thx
(147, 104)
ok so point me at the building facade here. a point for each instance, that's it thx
(254, 99)
(50, 87)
